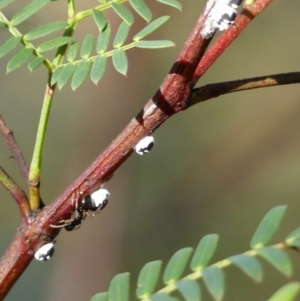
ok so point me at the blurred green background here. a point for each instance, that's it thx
(216, 168)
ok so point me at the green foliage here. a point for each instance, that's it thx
(213, 275)
(287, 293)
(92, 60)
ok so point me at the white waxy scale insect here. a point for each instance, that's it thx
(145, 145)
(45, 252)
(96, 201)
(225, 13)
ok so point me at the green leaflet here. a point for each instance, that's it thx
(267, 227)
(87, 46)
(4, 3)
(65, 74)
(81, 73)
(19, 59)
(120, 61)
(177, 265)
(45, 30)
(98, 68)
(54, 43)
(123, 13)
(72, 52)
(148, 279)
(103, 40)
(249, 265)
(189, 289)
(56, 74)
(119, 288)
(173, 3)
(99, 19)
(287, 293)
(28, 11)
(278, 258)
(150, 28)
(121, 35)
(9, 45)
(35, 63)
(142, 9)
(214, 280)
(204, 252)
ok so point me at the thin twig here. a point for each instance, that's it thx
(214, 90)
(16, 191)
(14, 148)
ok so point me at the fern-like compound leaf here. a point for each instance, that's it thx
(4, 3)
(98, 68)
(27, 11)
(288, 292)
(189, 289)
(173, 3)
(19, 59)
(148, 279)
(9, 45)
(176, 265)
(82, 71)
(278, 258)
(35, 63)
(154, 44)
(142, 9)
(103, 40)
(44, 30)
(204, 252)
(249, 265)
(54, 43)
(123, 13)
(120, 61)
(87, 46)
(214, 280)
(100, 19)
(65, 74)
(119, 288)
(72, 52)
(100, 297)
(121, 35)
(267, 227)
(150, 28)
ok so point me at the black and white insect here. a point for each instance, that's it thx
(145, 145)
(225, 13)
(45, 252)
(75, 220)
(94, 202)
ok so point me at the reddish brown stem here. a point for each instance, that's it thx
(17, 193)
(214, 90)
(14, 148)
(222, 43)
